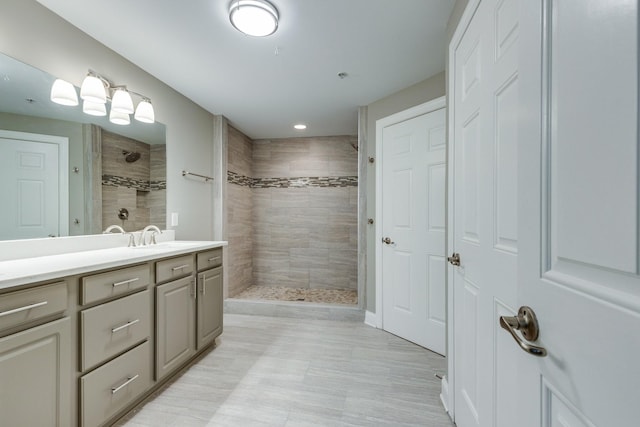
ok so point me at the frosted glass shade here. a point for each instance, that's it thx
(119, 118)
(64, 93)
(144, 112)
(254, 17)
(94, 108)
(92, 90)
(122, 102)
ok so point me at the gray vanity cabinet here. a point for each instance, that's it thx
(80, 351)
(209, 298)
(38, 395)
(175, 324)
(209, 306)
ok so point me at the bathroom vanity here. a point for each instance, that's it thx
(85, 336)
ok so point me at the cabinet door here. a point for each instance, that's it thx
(35, 376)
(175, 324)
(209, 306)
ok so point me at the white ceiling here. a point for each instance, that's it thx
(383, 45)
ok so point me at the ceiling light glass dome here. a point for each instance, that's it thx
(257, 18)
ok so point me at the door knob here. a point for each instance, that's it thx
(454, 259)
(527, 323)
(387, 241)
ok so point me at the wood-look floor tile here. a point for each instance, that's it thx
(270, 371)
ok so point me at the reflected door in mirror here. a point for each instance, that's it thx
(30, 172)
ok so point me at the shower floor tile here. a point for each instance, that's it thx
(282, 293)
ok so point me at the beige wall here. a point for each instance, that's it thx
(34, 35)
(431, 88)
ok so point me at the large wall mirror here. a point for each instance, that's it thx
(64, 172)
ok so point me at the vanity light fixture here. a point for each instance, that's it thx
(300, 126)
(118, 118)
(121, 101)
(64, 93)
(94, 108)
(257, 18)
(93, 89)
(95, 92)
(144, 112)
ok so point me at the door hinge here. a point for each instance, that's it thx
(454, 259)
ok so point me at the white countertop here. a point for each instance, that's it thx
(36, 269)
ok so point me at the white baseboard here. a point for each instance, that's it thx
(444, 395)
(370, 319)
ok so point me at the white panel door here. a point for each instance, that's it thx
(413, 218)
(578, 212)
(483, 211)
(33, 186)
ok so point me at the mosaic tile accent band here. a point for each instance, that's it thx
(301, 182)
(138, 184)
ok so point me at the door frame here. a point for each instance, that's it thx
(448, 381)
(418, 110)
(63, 170)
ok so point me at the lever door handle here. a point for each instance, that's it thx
(527, 323)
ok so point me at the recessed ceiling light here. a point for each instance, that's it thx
(300, 126)
(257, 18)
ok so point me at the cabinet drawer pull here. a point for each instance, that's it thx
(25, 308)
(180, 267)
(129, 380)
(125, 282)
(126, 325)
(213, 259)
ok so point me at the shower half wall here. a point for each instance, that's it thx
(292, 216)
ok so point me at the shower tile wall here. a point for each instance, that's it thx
(130, 185)
(239, 208)
(304, 216)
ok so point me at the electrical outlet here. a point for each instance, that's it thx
(174, 219)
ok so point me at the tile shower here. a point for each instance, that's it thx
(292, 218)
(138, 186)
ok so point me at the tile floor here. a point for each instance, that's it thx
(272, 371)
(283, 293)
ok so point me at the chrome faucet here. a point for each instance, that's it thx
(132, 240)
(110, 228)
(155, 230)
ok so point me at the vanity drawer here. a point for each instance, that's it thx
(26, 306)
(110, 328)
(112, 283)
(209, 259)
(110, 388)
(173, 268)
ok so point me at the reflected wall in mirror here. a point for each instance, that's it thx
(66, 173)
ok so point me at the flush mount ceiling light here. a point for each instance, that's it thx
(95, 92)
(257, 18)
(300, 126)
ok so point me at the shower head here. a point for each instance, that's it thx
(130, 156)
